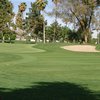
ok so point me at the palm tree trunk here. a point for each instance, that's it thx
(44, 32)
(55, 28)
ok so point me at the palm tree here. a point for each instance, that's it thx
(56, 15)
(41, 4)
(22, 7)
(19, 18)
(56, 1)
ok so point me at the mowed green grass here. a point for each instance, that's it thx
(24, 65)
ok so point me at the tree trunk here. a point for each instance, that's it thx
(3, 39)
(86, 38)
(86, 35)
(44, 32)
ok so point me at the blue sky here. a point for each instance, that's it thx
(48, 8)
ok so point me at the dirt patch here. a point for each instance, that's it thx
(81, 48)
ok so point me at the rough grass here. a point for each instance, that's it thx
(48, 72)
(98, 47)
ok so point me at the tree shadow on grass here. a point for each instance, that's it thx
(50, 91)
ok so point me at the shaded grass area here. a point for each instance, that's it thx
(50, 91)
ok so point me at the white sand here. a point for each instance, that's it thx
(81, 48)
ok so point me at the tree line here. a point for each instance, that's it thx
(81, 13)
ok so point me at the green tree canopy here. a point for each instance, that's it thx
(19, 17)
(6, 14)
(79, 12)
(34, 21)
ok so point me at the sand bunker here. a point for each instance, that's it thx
(81, 48)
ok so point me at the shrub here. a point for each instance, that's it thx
(1, 37)
(28, 38)
(12, 37)
(6, 38)
(98, 47)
